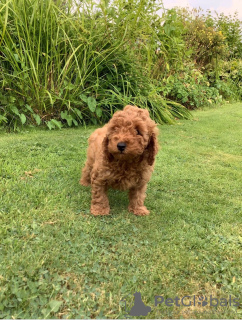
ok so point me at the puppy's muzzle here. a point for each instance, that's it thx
(121, 146)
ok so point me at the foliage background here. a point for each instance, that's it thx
(64, 63)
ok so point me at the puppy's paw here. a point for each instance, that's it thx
(99, 211)
(85, 182)
(139, 211)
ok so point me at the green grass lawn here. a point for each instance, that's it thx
(58, 261)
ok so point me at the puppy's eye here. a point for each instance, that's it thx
(138, 132)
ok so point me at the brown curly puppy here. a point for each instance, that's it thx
(121, 156)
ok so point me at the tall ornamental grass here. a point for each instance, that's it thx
(75, 62)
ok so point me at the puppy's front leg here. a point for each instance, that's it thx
(100, 203)
(136, 200)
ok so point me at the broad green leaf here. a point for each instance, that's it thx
(92, 103)
(67, 117)
(50, 125)
(63, 114)
(70, 86)
(3, 119)
(37, 118)
(55, 305)
(83, 97)
(58, 124)
(98, 112)
(29, 108)
(78, 112)
(94, 120)
(69, 120)
(16, 57)
(14, 110)
(22, 118)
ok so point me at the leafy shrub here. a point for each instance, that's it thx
(231, 28)
(171, 48)
(191, 88)
(74, 62)
(207, 44)
(206, 74)
(230, 82)
(68, 64)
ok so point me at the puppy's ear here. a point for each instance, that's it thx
(152, 149)
(107, 155)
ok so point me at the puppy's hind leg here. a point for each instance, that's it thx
(86, 175)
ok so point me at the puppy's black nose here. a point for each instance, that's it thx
(121, 146)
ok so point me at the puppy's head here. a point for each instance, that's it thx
(131, 134)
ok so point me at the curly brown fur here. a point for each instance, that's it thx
(121, 156)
